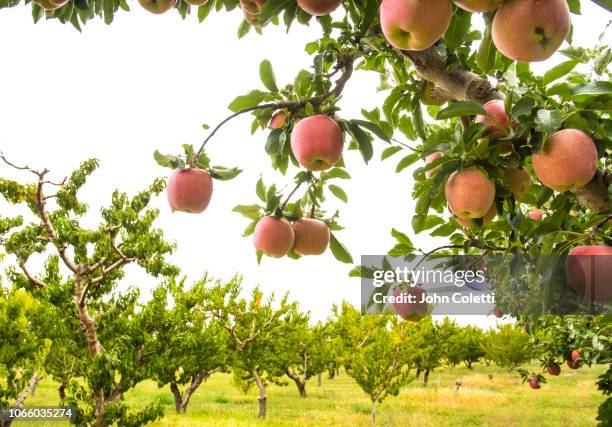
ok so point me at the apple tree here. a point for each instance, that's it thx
(508, 346)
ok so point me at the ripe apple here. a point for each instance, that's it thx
(429, 159)
(572, 365)
(311, 236)
(278, 120)
(411, 308)
(51, 4)
(534, 383)
(319, 7)
(469, 193)
(530, 30)
(273, 236)
(588, 270)
(553, 369)
(317, 142)
(157, 6)
(414, 24)
(568, 160)
(536, 214)
(519, 182)
(496, 120)
(489, 216)
(478, 6)
(498, 313)
(252, 10)
(189, 190)
(575, 355)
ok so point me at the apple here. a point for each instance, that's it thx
(573, 213)
(189, 190)
(50, 4)
(414, 24)
(410, 307)
(317, 142)
(553, 369)
(432, 96)
(469, 193)
(530, 30)
(535, 214)
(575, 355)
(429, 159)
(534, 383)
(498, 313)
(252, 10)
(519, 182)
(157, 6)
(273, 236)
(311, 236)
(319, 7)
(489, 216)
(567, 161)
(588, 270)
(572, 365)
(278, 120)
(478, 6)
(496, 120)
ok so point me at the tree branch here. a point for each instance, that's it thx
(36, 282)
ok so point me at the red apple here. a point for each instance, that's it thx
(530, 30)
(414, 24)
(157, 6)
(498, 313)
(311, 236)
(536, 214)
(278, 120)
(553, 369)
(189, 190)
(478, 6)
(319, 7)
(534, 383)
(573, 365)
(489, 216)
(429, 159)
(519, 182)
(575, 355)
(567, 161)
(588, 270)
(317, 142)
(273, 236)
(408, 303)
(496, 120)
(469, 193)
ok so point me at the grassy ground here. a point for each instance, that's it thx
(568, 400)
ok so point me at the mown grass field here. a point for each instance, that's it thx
(568, 400)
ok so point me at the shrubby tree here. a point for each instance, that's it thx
(465, 346)
(508, 346)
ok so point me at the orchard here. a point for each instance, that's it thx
(504, 123)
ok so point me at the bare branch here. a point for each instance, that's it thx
(31, 278)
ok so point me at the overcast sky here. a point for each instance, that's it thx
(148, 82)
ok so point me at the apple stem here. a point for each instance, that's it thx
(297, 186)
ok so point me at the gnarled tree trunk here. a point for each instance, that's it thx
(299, 382)
(181, 401)
(262, 393)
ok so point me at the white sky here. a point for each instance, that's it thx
(148, 82)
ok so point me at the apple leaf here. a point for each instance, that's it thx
(559, 71)
(595, 88)
(243, 29)
(249, 100)
(224, 174)
(339, 250)
(485, 56)
(266, 74)
(338, 192)
(374, 128)
(335, 173)
(260, 189)
(205, 9)
(168, 161)
(250, 211)
(461, 108)
(273, 8)
(364, 140)
(406, 161)
(389, 151)
(203, 161)
(548, 121)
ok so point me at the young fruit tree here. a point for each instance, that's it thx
(79, 284)
(509, 157)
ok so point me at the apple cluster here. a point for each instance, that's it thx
(523, 30)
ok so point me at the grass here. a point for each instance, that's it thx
(570, 399)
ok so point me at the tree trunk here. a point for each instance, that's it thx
(178, 398)
(468, 363)
(62, 391)
(418, 373)
(319, 379)
(426, 377)
(373, 412)
(331, 374)
(299, 382)
(34, 380)
(89, 328)
(262, 393)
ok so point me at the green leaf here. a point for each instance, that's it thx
(401, 237)
(372, 127)
(458, 28)
(606, 4)
(203, 161)
(461, 108)
(266, 74)
(272, 8)
(339, 250)
(273, 143)
(250, 229)
(406, 161)
(363, 140)
(249, 100)
(559, 71)
(204, 10)
(260, 189)
(338, 192)
(243, 29)
(168, 161)
(389, 151)
(595, 88)
(485, 57)
(548, 121)
(250, 211)
(335, 173)
(224, 174)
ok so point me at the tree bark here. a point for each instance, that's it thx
(418, 373)
(426, 377)
(319, 379)
(299, 382)
(181, 401)
(373, 412)
(62, 391)
(262, 393)
(29, 391)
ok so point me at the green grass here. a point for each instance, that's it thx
(568, 400)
